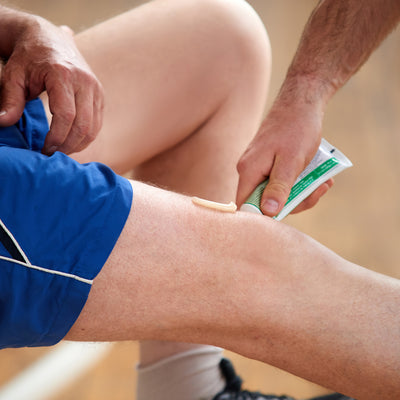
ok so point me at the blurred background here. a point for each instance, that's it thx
(359, 218)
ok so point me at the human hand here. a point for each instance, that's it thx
(284, 145)
(45, 57)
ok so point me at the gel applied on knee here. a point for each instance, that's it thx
(230, 208)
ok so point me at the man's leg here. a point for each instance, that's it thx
(181, 273)
(255, 286)
(170, 68)
(185, 85)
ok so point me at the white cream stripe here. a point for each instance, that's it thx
(15, 242)
(49, 271)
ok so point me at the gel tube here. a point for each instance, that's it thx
(328, 162)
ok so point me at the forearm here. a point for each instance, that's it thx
(338, 38)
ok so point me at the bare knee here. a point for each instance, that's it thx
(241, 36)
(241, 42)
(236, 49)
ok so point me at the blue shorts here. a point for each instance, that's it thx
(59, 221)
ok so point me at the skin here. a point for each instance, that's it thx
(223, 115)
(303, 309)
(40, 56)
(214, 126)
(358, 358)
(183, 273)
(338, 38)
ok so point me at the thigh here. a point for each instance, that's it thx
(251, 285)
(162, 277)
(167, 67)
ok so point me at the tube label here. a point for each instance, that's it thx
(327, 163)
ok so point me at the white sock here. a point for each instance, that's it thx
(190, 375)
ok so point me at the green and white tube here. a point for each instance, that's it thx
(328, 162)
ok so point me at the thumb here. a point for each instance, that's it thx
(276, 193)
(12, 101)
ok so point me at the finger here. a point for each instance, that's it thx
(62, 107)
(82, 127)
(12, 96)
(283, 175)
(250, 176)
(96, 118)
(98, 101)
(314, 197)
(98, 107)
(246, 185)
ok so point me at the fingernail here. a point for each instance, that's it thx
(270, 206)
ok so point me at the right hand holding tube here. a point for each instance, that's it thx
(284, 145)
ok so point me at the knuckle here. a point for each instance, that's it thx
(91, 135)
(242, 165)
(247, 162)
(82, 130)
(63, 119)
(67, 115)
(13, 76)
(89, 79)
(12, 80)
(63, 71)
(294, 158)
(279, 188)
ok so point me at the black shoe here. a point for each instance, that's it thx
(233, 389)
(333, 396)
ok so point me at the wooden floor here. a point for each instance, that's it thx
(359, 219)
